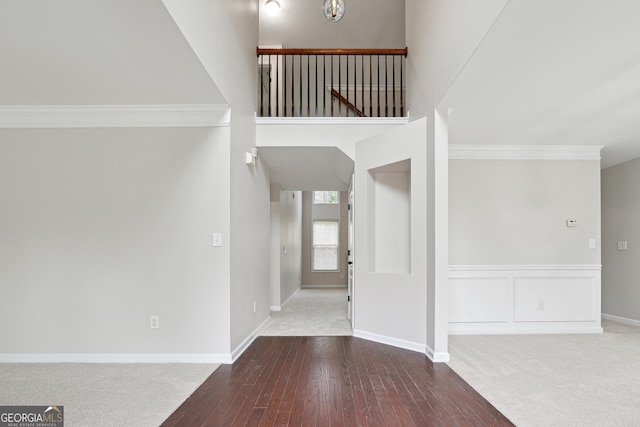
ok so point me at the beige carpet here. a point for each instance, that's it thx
(312, 312)
(556, 380)
(103, 395)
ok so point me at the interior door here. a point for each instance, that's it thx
(391, 235)
(350, 254)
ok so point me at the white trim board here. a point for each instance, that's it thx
(327, 286)
(437, 357)
(114, 358)
(279, 307)
(396, 342)
(524, 152)
(135, 357)
(235, 354)
(619, 319)
(113, 116)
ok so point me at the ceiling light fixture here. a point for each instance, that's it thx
(333, 9)
(272, 7)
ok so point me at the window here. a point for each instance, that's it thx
(325, 245)
(326, 197)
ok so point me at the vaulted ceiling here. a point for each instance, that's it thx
(554, 72)
(548, 72)
(116, 52)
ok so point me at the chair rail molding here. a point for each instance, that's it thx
(113, 116)
(524, 152)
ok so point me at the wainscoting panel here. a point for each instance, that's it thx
(494, 299)
(553, 299)
(468, 302)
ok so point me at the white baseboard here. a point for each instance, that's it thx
(279, 307)
(290, 298)
(501, 329)
(135, 357)
(235, 354)
(396, 342)
(437, 356)
(114, 358)
(328, 286)
(619, 319)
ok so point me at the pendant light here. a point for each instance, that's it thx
(333, 9)
(272, 7)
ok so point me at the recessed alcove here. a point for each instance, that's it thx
(389, 188)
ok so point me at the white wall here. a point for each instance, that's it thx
(366, 24)
(276, 248)
(515, 265)
(224, 35)
(290, 244)
(620, 212)
(441, 36)
(515, 211)
(101, 228)
(391, 307)
(286, 245)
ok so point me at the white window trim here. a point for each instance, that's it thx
(313, 246)
(313, 199)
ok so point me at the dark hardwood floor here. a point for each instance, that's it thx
(334, 381)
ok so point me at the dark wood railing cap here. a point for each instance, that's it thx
(329, 51)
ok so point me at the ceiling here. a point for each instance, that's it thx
(116, 52)
(554, 73)
(308, 168)
(548, 72)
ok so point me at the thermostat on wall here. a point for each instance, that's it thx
(572, 222)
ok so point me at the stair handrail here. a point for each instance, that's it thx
(330, 51)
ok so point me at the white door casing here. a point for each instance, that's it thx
(351, 253)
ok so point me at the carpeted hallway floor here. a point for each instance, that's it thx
(312, 312)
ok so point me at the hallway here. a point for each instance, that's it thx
(312, 312)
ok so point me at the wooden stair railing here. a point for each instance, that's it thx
(347, 103)
(303, 82)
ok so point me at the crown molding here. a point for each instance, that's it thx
(524, 152)
(113, 116)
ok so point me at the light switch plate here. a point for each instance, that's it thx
(217, 239)
(622, 245)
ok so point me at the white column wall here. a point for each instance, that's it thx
(224, 36)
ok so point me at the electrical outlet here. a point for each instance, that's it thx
(154, 322)
(540, 305)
